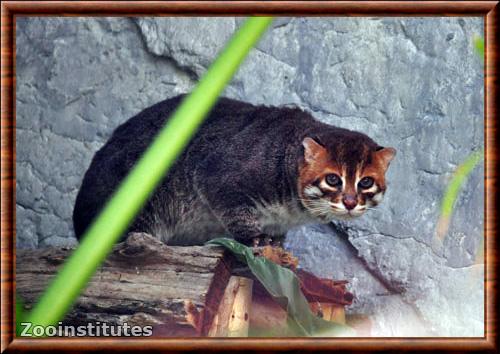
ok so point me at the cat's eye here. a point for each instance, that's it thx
(366, 182)
(333, 180)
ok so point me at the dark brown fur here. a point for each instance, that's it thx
(242, 175)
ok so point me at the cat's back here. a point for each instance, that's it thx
(228, 116)
(229, 123)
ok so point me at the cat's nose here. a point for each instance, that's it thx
(350, 201)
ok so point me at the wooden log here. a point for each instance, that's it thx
(315, 289)
(180, 291)
(233, 317)
(239, 319)
(177, 290)
(327, 298)
(329, 311)
(324, 290)
(267, 318)
(362, 324)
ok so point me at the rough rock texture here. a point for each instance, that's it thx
(411, 83)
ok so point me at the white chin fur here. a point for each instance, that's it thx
(345, 214)
(312, 191)
(378, 197)
(326, 210)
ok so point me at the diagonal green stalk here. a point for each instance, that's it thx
(451, 193)
(19, 314)
(458, 179)
(479, 46)
(141, 181)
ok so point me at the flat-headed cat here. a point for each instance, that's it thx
(250, 172)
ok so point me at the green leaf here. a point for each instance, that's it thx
(282, 284)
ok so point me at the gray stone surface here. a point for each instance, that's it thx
(411, 83)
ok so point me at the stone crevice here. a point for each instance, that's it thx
(169, 59)
(344, 236)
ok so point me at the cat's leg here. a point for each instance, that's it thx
(242, 223)
(222, 188)
(277, 240)
(269, 240)
(236, 213)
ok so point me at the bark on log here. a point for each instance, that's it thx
(180, 291)
(143, 282)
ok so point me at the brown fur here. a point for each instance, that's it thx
(319, 162)
(244, 174)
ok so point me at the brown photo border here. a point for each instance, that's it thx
(10, 9)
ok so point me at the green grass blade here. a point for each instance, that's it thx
(141, 181)
(453, 189)
(20, 315)
(479, 46)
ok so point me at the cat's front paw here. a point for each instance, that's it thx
(266, 240)
(255, 241)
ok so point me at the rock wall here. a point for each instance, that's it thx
(411, 83)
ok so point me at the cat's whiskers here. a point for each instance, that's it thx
(325, 208)
(318, 208)
(308, 201)
(313, 203)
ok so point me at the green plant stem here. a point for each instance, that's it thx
(456, 183)
(451, 194)
(479, 46)
(141, 181)
(19, 314)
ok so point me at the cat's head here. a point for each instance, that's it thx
(342, 175)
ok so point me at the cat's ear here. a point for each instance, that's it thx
(313, 151)
(385, 155)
